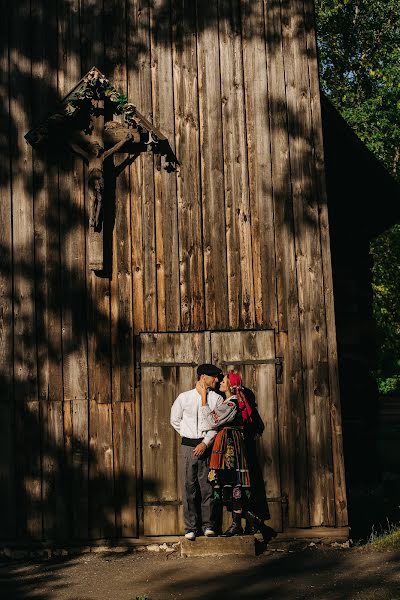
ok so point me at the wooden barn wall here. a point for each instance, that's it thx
(236, 238)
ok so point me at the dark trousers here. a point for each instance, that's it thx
(194, 477)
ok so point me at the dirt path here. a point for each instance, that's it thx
(313, 573)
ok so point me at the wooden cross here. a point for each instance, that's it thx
(81, 124)
(102, 142)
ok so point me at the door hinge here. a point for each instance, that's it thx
(279, 369)
(278, 362)
(281, 499)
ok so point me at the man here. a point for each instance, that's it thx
(186, 420)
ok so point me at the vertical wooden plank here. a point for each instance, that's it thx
(138, 440)
(47, 272)
(101, 473)
(141, 173)
(309, 272)
(336, 419)
(125, 468)
(138, 292)
(188, 177)
(121, 298)
(53, 476)
(260, 379)
(168, 293)
(291, 397)
(212, 167)
(7, 429)
(280, 167)
(160, 452)
(286, 426)
(259, 160)
(238, 226)
(68, 436)
(28, 471)
(79, 454)
(76, 465)
(91, 35)
(121, 283)
(73, 285)
(29, 517)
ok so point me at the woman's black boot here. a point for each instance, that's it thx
(253, 523)
(236, 527)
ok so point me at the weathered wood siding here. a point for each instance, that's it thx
(236, 239)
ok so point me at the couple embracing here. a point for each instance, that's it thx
(217, 433)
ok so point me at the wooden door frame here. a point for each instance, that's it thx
(278, 361)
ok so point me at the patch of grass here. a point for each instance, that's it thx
(385, 540)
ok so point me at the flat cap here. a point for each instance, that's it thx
(208, 369)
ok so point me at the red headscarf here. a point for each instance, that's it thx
(235, 382)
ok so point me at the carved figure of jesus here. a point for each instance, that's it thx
(95, 155)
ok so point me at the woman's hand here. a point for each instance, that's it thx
(201, 388)
(200, 449)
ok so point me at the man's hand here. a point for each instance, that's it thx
(200, 449)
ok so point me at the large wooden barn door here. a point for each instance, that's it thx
(167, 362)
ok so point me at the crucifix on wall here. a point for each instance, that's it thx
(85, 124)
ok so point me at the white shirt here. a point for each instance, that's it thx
(186, 417)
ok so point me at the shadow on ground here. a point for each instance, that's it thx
(312, 573)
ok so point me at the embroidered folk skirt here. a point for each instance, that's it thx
(229, 470)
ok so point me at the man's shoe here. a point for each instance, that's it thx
(234, 529)
(209, 532)
(190, 535)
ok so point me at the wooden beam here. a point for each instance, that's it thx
(113, 133)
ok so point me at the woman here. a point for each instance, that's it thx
(229, 469)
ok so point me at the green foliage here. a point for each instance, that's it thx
(388, 386)
(120, 100)
(359, 46)
(385, 540)
(386, 287)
